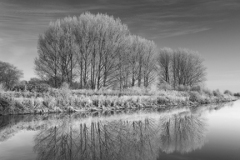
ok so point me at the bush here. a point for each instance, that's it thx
(64, 91)
(237, 94)
(165, 86)
(195, 96)
(20, 87)
(228, 92)
(208, 92)
(183, 88)
(42, 87)
(217, 93)
(37, 87)
(6, 104)
(2, 87)
(196, 88)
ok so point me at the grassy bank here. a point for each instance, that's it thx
(65, 100)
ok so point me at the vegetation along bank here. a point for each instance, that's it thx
(93, 62)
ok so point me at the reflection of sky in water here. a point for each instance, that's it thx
(204, 133)
(18, 147)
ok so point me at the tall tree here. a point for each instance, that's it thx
(56, 53)
(188, 68)
(180, 67)
(99, 39)
(164, 62)
(97, 50)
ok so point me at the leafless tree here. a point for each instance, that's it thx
(187, 68)
(99, 39)
(180, 67)
(141, 61)
(164, 63)
(100, 48)
(56, 52)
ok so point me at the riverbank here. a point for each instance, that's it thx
(64, 100)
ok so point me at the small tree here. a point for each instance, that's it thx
(228, 92)
(9, 75)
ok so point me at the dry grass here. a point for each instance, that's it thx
(65, 100)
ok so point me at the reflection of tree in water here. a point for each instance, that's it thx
(121, 139)
(182, 132)
(100, 140)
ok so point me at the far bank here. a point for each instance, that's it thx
(65, 100)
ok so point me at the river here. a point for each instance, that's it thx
(206, 132)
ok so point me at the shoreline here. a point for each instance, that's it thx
(68, 102)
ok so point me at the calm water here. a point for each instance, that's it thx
(211, 132)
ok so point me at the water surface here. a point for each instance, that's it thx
(207, 132)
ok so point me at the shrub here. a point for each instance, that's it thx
(195, 96)
(165, 86)
(162, 100)
(217, 93)
(65, 85)
(135, 90)
(42, 87)
(6, 105)
(237, 94)
(37, 87)
(2, 87)
(196, 88)
(228, 92)
(64, 91)
(183, 88)
(19, 87)
(208, 92)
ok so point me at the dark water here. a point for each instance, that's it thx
(208, 132)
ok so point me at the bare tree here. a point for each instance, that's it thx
(149, 63)
(98, 38)
(188, 68)
(141, 61)
(100, 48)
(180, 67)
(164, 62)
(56, 52)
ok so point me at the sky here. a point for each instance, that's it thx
(211, 27)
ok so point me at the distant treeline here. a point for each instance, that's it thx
(98, 51)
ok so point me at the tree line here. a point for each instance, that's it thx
(95, 50)
(98, 51)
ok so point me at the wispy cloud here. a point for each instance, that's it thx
(21, 21)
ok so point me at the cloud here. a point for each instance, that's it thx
(21, 21)
(172, 33)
